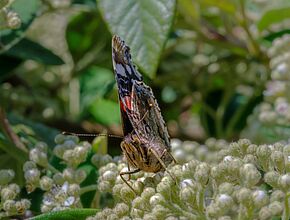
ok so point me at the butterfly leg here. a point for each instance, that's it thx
(166, 151)
(129, 173)
(162, 163)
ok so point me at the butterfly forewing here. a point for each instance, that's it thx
(146, 143)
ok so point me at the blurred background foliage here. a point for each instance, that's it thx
(206, 61)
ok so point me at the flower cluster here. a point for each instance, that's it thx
(276, 108)
(8, 18)
(227, 181)
(9, 192)
(62, 189)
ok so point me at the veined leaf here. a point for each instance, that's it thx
(27, 49)
(144, 25)
(68, 214)
(273, 16)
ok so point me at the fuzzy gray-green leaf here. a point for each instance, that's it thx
(144, 25)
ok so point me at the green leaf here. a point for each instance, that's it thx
(273, 16)
(105, 111)
(68, 214)
(144, 25)
(89, 3)
(95, 82)
(7, 64)
(27, 10)
(88, 39)
(100, 145)
(27, 49)
(224, 5)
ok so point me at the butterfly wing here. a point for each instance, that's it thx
(139, 109)
(146, 115)
(125, 73)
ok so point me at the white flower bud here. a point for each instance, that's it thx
(263, 153)
(80, 176)
(7, 194)
(272, 178)
(117, 190)
(58, 178)
(42, 146)
(265, 213)
(244, 196)
(13, 20)
(127, 194)
(277, 195)
(32, 175)
(104, 186)
(276, 208)
(284, 182)
(10, 206)
(252, 148)
(38, 157)
(74, 190)
(156, 199)
(69, 144)
(136, 213)
(277, 158)
(234, 149)
(14, 187)
(188, 195)
(202, 173)
(244, 144)
(213, 210)
(226, 188)
(109, 176)
(147, 193)
(28, 165)
(225, 218)
(224, 201)
(250, 174)
(138, 186)
(121, 209)
(46, 183)
(6, 176)
(59, 139)
(260, 198)
(68, 174)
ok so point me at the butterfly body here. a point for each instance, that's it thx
(146, 143)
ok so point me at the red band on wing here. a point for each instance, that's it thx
(126, 103)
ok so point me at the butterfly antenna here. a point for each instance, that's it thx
(90, 135)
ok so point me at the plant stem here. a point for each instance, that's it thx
(286, 213)
(52, 169)
(201, 200)
(89, 188)
(9, 131)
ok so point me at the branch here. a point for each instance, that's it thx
(9, 131)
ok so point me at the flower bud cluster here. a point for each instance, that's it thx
(61, 197)
(225, 188)
(212, 151)
(276, 108)
(8, 18)
(70, 150)
(9, 192)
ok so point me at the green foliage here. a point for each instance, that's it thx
(74, 214)
(217, 69)
(27, 49)
(27, 11)
(144, 25)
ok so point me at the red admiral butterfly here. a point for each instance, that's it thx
(146, 143)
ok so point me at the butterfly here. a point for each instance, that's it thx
(146, 144)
